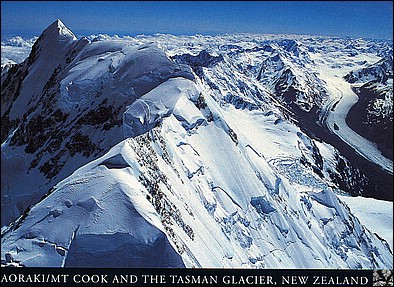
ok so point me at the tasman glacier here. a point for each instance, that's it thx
(166, 151)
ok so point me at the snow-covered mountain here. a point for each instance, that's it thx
(372, 116)
(380, 71)
(175, 151)
(15, 50)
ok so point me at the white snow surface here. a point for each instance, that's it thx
(111, 213)
(224, 203)
(15, 50)
(112, 71)
(149, 109)
(202, 172)
(374, 214)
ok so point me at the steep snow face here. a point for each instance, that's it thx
(123, 70)
(376, 215)
(222, 199)
(47, 52)
(115, 227)
(63, 106)
(209, 166)
(146, 112)
(22, 90)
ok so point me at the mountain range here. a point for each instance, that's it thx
(196, 151)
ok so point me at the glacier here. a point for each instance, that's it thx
(171, 151)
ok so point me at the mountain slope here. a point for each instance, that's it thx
(259, 214)
(372, 116)
(63, 107)
(185, 157)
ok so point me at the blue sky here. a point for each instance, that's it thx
(370, 19)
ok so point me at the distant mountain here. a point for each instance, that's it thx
(171, 151)
(18, 41)
(15, 50)
(372, 116)
(380, 71)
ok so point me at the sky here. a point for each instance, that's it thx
(368, 19)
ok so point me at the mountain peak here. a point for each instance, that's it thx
(57, 28)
